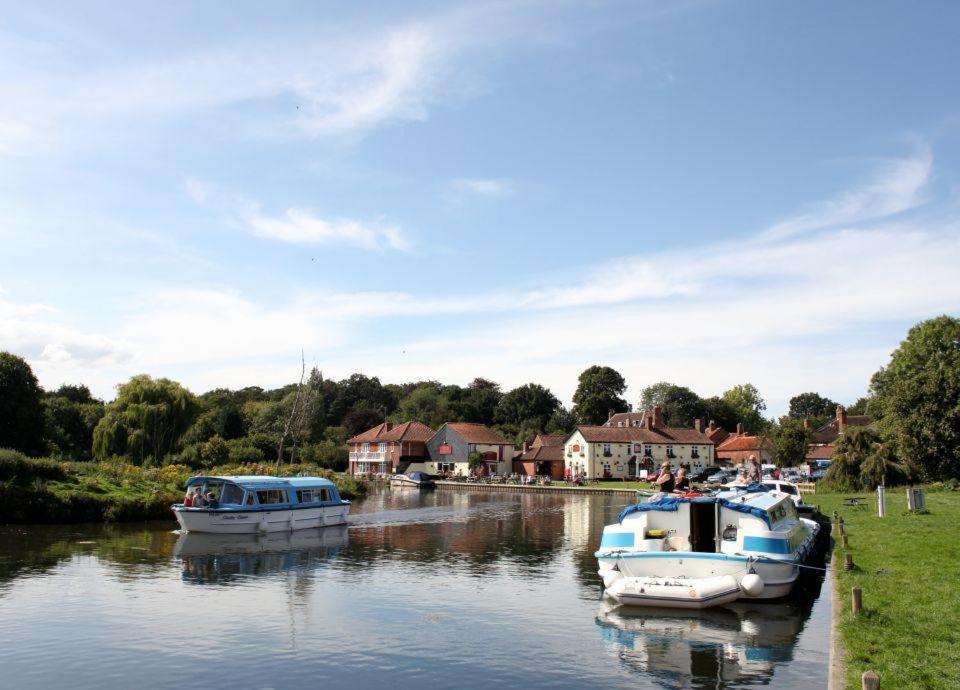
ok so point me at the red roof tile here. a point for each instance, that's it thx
(743, 443)
(543, 454)
(626, 419)
(820, 452)
(829, 432)
(549, 440)
(408, 431)
(639, 434)
(478, 433)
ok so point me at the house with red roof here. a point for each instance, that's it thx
(740, 447)
(543, 458)
(453, 444)
(825, 438)
(631, 451)
(388, 448)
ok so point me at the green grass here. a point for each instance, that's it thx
(908, 566)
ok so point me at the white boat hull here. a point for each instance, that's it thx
(673, 592)
(259, 521)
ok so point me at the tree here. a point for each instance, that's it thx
(599, 390)
(146, 421)
(812, 406)
(562, 422)
(853, 448)
(21, 416)
(716, 409)
(71, 414)
(916, 398)
(790, 441)
(361, 392)
(529, 405)
(423, 404)
(881, 467)
(749, 405)
(215, 452)
(680, 405)
(860, 407)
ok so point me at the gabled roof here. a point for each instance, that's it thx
(408, 431)
(829, 432)
(543, 454)
(717, 434)
(742, 443)
(639, 434)
(549, 441)
(626, 419)
(478, 433)
(820, 452)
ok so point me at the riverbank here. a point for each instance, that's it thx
(535, 488)
(906, 566)
(44, 491)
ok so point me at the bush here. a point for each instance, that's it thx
(16, 465)
(214, 452)
(241, 452)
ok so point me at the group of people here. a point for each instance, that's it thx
(195, 498)
(668, 483)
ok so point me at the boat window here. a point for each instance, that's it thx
(787, 489)
(313, 495)
(271, 496)
(231, 495)
(251, 500)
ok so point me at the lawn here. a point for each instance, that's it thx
(908, 566)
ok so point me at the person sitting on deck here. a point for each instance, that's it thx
(212, 501)
(665, 481)
(683, 482)
(188, 499)
(198, 500)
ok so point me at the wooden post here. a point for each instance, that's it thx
(870, 681)
(846, 544)
(841, 529)
(848, 562)
(857, 600)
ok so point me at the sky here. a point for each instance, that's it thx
(707, 193)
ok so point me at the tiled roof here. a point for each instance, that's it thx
(549, 440)
(543, 454)
(829, 432)
(626, 419)
(736, 443)
(820, 452)
(639, 434)
(408, 431)
(717, 435)
(478, 433)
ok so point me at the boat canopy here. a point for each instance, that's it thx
(672, 504)
(253, 482)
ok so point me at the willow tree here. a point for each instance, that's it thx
(146, 421)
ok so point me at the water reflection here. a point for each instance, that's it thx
(224, 558)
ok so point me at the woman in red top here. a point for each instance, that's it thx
(188, 500)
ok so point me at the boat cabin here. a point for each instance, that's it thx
(264, 493)
(732, 522)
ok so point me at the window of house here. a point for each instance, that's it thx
(383, 447)
(695, 452)
(670, 452)
(648, 450)
(365, 447)
(606, 450)
(271, 496)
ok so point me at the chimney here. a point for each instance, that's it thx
(841, 418)
(387, 426)
(713, 425)
(609, 415)
(739, 428)
(807, 424)
(657, 416)
(698, 425)
(526, 446)
(648, 421)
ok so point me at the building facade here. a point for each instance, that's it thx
(388, 448)
(628, 452)
(544, 458)
(740, 447)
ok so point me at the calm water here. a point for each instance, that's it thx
(438, 589)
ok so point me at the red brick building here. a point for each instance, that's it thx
(389, 448)
(739, 447)
(543, 458)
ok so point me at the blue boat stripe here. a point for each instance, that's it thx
(766, 544)
(615, 539)
(689, 554)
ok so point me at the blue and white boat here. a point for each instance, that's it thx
(697, 552)
(419, 480)
(250, 505)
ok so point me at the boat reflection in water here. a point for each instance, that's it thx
(221, 558)
(741, 643)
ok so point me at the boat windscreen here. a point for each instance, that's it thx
(231, 495)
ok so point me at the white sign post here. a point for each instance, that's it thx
(882, 500)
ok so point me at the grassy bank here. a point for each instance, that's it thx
(40, 491)
(907, 566)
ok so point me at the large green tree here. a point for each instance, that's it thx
(146, 421)
(679, 404)
(530, 405)
(599, 390)
(749, 405)
(21, 414)
(812, 406)
(71, 414)
(917, 398)
(790, 440)
(423, 404)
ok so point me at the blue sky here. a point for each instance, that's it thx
(702, 192)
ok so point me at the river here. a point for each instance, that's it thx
(438, 589)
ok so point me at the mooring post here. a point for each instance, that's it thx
(870, 680)
(857, 600)
(843, 532)
(848, 562)
(846, 544)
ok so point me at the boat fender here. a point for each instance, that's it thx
(752, 585)
(610, 577)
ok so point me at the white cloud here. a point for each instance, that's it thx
(297, 226)
(483, 187)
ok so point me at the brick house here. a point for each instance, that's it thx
(825, 438)
(740, 447)
(388, 448)
(622, 452)
(450, 448)
(543, 458)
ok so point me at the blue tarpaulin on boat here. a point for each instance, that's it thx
(672, 504)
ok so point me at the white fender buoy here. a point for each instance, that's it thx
(752, 585)
(609, 577)
(263, 525)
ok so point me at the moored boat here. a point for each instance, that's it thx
(252, 504)
(702, 551)
(418, 480)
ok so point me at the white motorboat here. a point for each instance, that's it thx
(418, 480)
(703, 551)
(250, 504)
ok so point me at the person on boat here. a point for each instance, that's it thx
(212, 501)
(188, 499)
(753, 470)
(198, 500)
(682, 483)
(665, 480)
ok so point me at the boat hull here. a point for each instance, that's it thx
(682, 593)
(259, 521)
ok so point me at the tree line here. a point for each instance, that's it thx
(915, 401)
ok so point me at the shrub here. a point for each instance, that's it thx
(16, 465)
(241, 452)
(214, 452)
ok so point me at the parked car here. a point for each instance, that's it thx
(705, 474)
(724, 476)
(817, 475)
